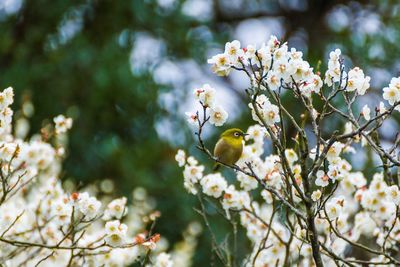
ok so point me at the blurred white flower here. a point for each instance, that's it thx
(221, 64)
(233, 50)
(116, 209)
(201, 10)
(392, 92)
(163, 260)
(192, 118)
(180, 157)
(62, 124)
(115, 233)
(266, 111)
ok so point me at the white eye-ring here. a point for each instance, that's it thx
(236, 134)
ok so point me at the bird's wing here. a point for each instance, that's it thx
(221, 147)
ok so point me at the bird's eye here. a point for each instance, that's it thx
(236, 134)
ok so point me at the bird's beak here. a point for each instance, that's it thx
(245, 134)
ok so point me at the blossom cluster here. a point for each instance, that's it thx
(329, 208)
(278, 66)
(43, 224)
(206, 97)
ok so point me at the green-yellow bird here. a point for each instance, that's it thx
(229, 147)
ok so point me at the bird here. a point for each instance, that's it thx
(229, 147)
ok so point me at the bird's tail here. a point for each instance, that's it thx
(216, 167)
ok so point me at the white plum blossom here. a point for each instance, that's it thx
(116, 209)
(273, 43)
(89, 206)
(62, 209)
(218, 116)
(357, 81)
(256, 133)
(115, 233)
(215, 113)
(281, 69)
(317, 83)
(250, 53)
(274, 179)
(271, 114)
(392, 92)
(213, 185)
(335, 172)
(310, 85)
(281, 53)
(62, 124)
(193, 172)
(348, 128)
(334, 151)
(221, 64)
(246, 182)
(386, 210)
(300, 68)
(264, 58)
(206, 95)
(163, 260)
(233, 199)
(273, 80)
